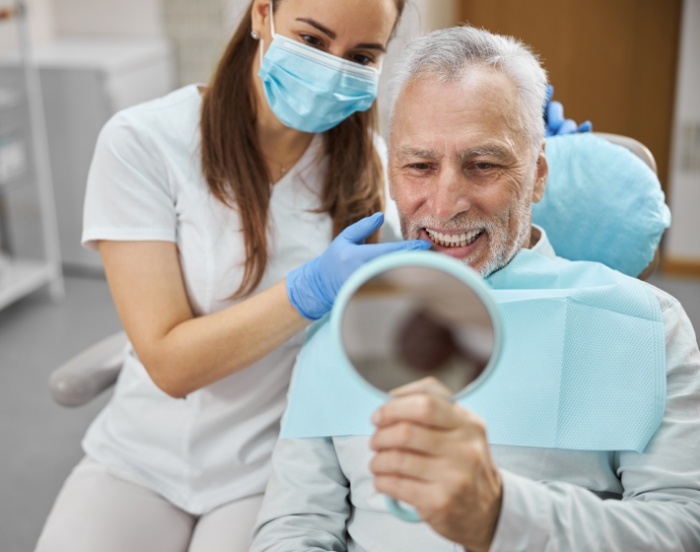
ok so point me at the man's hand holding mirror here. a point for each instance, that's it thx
(423, 329)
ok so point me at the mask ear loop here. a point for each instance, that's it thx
(272, 19)
(272, 32)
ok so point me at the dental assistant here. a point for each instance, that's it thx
(227, 217)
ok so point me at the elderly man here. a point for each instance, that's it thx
(467, 161)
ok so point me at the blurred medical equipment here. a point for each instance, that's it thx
(30, 256)
(85, 376)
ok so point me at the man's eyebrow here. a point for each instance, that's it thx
(408, 151)
(332, 35)
(488, 150)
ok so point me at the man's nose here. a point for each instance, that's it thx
(451, 194)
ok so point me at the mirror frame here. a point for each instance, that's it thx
(426, 259)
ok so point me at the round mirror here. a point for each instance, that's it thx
(407, 316)
(417, 320)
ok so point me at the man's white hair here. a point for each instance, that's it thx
(447, 55)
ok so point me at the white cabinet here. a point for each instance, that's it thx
(27, 208)
(84, 82)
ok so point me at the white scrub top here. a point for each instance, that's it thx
(145, 183)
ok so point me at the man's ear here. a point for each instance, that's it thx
(541, 176)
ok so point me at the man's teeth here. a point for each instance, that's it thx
(453, 240)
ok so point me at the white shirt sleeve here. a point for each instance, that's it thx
(660, 507)
(306, 504)
(128, 195)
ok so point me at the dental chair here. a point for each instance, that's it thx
(603, 202)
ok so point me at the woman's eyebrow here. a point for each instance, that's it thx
(332, 35)
(371, 46)
(318, 26)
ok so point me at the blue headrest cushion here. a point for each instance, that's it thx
(602, 203)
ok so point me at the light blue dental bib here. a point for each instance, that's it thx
(583, 365)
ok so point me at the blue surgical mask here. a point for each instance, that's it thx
(310, 90)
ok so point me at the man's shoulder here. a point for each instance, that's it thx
(665, 299)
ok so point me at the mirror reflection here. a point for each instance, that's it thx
(412, 322)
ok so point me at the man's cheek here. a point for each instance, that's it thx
(409, 197)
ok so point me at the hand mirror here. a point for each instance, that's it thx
(406, 316)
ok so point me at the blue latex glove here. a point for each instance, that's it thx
(554, 120)
(312, 287)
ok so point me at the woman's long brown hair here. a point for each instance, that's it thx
(237, 175)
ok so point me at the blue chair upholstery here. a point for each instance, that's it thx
(602, 202)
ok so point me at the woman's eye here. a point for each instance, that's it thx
(312, 40)
(362, 59)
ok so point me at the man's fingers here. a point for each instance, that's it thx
(403, 463)
(410, 491)
(428, 498)
(429, 385)
(407, 436)
(421, 408)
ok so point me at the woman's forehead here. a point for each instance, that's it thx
(357, 20)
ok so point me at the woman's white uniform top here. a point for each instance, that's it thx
(146, 183)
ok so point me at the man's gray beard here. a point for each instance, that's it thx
(505, 255)
(494, 232)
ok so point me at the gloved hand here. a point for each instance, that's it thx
(554, 120)
(312, 287)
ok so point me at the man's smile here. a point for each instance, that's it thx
(458, 244)
(452, 239)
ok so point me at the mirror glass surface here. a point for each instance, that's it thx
(411, 322)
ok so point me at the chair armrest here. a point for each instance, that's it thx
(86, 375)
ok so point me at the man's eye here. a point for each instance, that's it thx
(420, 166)
(484, 166)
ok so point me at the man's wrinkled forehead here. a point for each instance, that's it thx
(479, 115)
